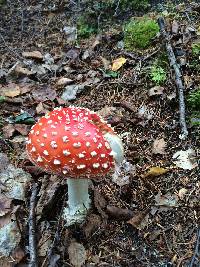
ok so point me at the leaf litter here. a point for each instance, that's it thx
(149, 201)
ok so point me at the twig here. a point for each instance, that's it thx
(178, 80)
(56, 236)
(197, 248)
(116, 9)
(32, 228)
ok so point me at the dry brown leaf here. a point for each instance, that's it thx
(155, 171)
(106, 63)
(33, 54)
(119, 213)
(118, 63)
(5, 203)
(159, 146)
(93, 222)
(182, 192)
(11, 90)
(23, 71)
(44, 93)
(77, 254)
(175, 27)
(22, 129)
(139, 220)
(63, 81)
(8, 131)
(169, 200)
(156, 90)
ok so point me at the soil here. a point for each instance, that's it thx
(149, 220)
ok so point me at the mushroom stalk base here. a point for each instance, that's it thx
(78, 201)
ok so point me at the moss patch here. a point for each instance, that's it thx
(138, 33)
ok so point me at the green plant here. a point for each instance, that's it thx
(86, 26)
(193, 100)
(158, 74)
(136, 4)
(196, 49)
(138, 33)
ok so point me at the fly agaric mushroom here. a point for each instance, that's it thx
(77, 143)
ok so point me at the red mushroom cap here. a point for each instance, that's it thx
(70, 141)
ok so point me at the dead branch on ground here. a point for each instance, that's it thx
(178, 78)
(197, 248)
(32, 228)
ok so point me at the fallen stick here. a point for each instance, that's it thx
(32, 228)
(196, 252)
(178, 78)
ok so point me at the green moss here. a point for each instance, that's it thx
(193, 100)
(136, 4)
(86, 26)
(196, 49)
(138, 33)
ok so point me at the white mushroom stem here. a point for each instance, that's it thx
(78, 201)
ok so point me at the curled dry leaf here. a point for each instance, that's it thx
(119, 213)
(118, 63)
(156, 90)
(182, 192)
(159, 146)
(168, 200)
(5, 203)
(93, 222)
(139, 220)
(185, 159)
(77, 254)
(10, 90)
(8, 131)
(33, 54)
(63, 82)
(155, 171)
(23, 71)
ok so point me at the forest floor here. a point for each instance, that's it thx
(149, 215)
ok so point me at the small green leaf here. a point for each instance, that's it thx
(2, 99)
(24, 118)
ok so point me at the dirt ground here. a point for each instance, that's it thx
(149, 219)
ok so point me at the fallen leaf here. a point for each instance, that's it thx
(122, 173)
(119, 213)
(156, 90)
(63, 81)
(175, 27)
(70, 33)
(23, 71)
(145, 113)
(159, 146)
(185, 159)
(8, 131)
(155, 171)
(92, 224)
(106, 63)
(166, 200)
(11, 90)
(118, 63)
(33, 54)
(139, 220)
(77, 254)
(5, 203)
(43, 94)
(182, 192)
(22, 129)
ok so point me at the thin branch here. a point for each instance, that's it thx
(32, 228)
(178, 78)
(197, 248)
(57, 235)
